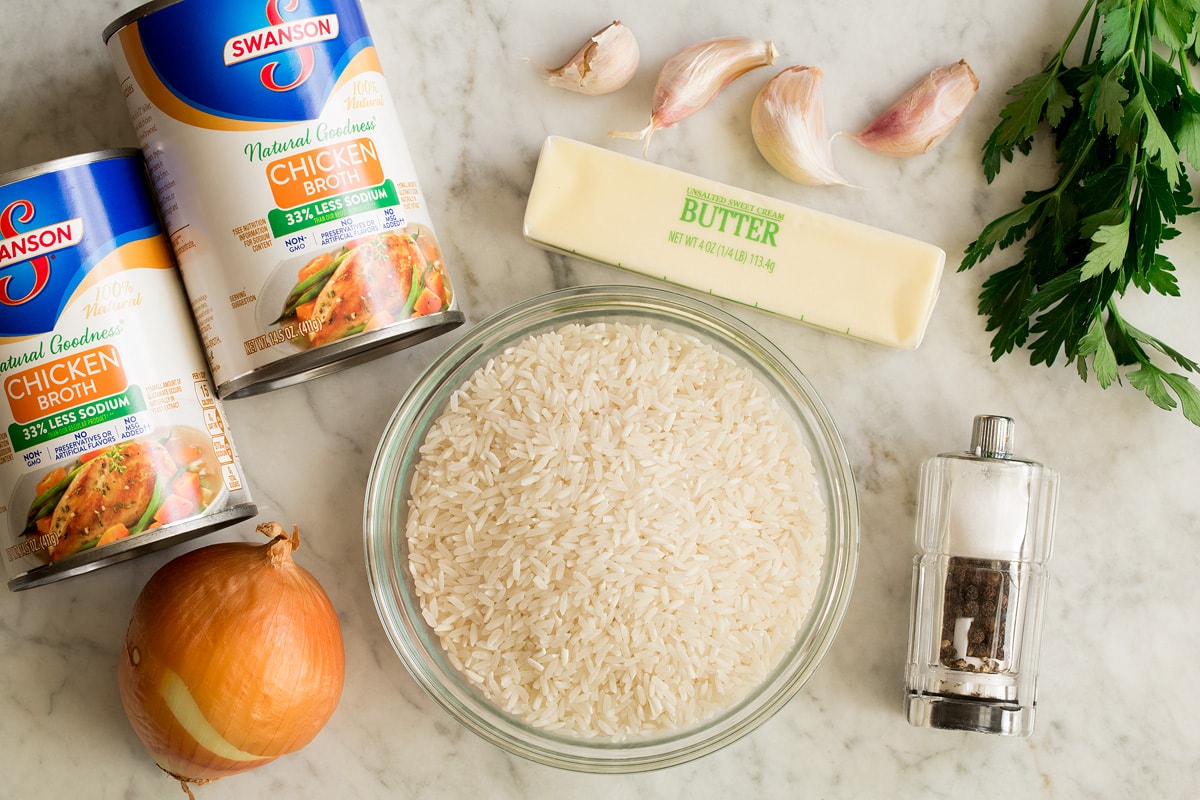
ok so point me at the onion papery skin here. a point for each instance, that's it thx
(233, 657)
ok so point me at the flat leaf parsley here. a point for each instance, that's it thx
(1122, 122)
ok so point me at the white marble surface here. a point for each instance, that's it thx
(1117, 712)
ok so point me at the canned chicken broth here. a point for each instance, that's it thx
(113, 441)
(282, 174)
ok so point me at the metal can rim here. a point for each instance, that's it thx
(135, 547)
(67, 162)
(129, 17)
(336, 356)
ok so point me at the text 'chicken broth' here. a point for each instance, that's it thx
(113, 441)
(285, 184)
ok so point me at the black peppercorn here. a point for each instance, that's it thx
(977, 596)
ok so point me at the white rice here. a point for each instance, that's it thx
(615, 530)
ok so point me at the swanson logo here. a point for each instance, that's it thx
(31, 248)
(281, 35)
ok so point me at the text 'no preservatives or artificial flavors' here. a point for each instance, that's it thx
(112, 441)
(285, 185)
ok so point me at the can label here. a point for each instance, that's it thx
(280, 166)
(112, 435)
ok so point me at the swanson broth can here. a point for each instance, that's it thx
(113, 442)
(284, 181)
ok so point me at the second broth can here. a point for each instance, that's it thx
(285, 184)
(112, 443)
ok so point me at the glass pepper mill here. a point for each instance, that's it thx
(985, 521)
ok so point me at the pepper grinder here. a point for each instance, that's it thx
(985, 521)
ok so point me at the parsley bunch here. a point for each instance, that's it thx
(1121, 121)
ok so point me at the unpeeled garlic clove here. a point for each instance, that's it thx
(692, 77)
(606, 62)
(928, 111)
(788, 124)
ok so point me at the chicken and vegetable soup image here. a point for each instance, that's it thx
(268, 189)
(117, 492)
(367, 284)
(111, 436)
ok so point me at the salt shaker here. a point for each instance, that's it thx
(985, 521)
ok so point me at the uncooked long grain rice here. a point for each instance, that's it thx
(614, 530)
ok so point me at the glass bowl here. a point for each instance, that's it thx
(387, 547)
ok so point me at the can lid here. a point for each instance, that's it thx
(67, 162)
(992, 436)
(129, 17)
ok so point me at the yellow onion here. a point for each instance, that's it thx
(233, 658)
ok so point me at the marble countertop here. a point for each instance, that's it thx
(1116, 715)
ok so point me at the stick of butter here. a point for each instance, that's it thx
(813, 267)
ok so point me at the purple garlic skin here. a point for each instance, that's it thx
(924, 115)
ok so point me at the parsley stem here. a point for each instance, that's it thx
(1146, 33)
(1065, 181)
(1092, 30)
(1087, 8)
(1184, 73)
(1121, 122)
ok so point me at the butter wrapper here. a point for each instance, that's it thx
(819, 269)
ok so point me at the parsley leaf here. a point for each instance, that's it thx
(1109, 253)
(1121, 123)
(1038, 96)
(1174, 21)
(1106, 99)
(1115, 32)
(1104, 359)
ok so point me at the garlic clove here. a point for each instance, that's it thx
(787, 121)
(606, 62)
(692, 77)
(923, 116)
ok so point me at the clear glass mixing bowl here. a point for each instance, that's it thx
(386, 508)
